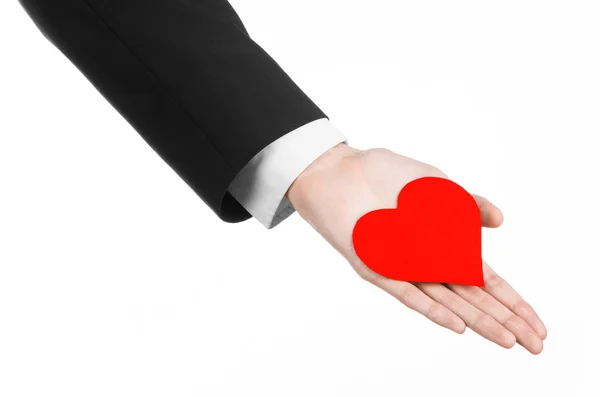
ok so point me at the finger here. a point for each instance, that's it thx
(491, 216)
(478, 321)
(497, 287)
(477, 297)
(416, 300)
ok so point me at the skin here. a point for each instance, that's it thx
(373, 178)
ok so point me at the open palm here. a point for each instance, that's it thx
(346, 183)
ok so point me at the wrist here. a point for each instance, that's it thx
(332, 157)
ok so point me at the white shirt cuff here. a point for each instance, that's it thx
(261, 185)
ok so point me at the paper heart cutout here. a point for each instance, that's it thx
(434, 235)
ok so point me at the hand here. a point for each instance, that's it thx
(371, 179)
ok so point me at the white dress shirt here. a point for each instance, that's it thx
(262, 184)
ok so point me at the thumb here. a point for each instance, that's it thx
(491, 216)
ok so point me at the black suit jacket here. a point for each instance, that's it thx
(187, 76)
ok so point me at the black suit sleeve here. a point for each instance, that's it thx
(187, 76)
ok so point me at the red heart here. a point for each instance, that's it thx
(434, 235)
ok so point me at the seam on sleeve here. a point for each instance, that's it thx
(154, 75)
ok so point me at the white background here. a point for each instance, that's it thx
(115, 279)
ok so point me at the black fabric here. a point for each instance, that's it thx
(186, 75)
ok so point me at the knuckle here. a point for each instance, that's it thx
(448, 299)
(406, 295)
(482, 299)
(486, 301)
(434, 171)
(365, 273)
(520, 306)
(435, 311)
(511, 319)
(493, 281)
(482, 322)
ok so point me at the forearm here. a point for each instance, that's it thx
(187, 77)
